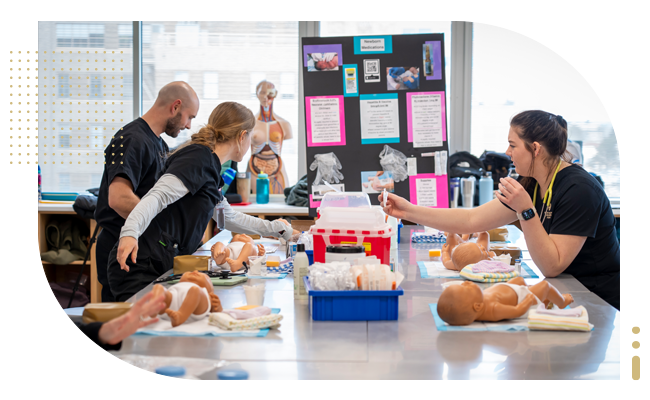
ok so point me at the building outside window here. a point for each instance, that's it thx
(512, 73)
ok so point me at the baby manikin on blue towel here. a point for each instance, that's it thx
(435, 269)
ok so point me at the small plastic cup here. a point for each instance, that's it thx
(257, 265)
(255, 295)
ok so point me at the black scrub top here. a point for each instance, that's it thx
(580, 207)
(183, 223)
(134, 153)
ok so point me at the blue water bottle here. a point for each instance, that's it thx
(262, 188)
(485, 188)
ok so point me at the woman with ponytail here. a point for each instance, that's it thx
(564, 213)
(171, 218)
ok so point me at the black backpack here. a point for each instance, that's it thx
(497, 163)
(463, 165)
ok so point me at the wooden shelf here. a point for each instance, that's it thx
(48, 211)
(78, 262)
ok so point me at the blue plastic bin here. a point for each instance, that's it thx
(353, 305)
(310, 255)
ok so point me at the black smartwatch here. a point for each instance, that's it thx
(526, 214)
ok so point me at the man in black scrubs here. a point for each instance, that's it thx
(134, 160)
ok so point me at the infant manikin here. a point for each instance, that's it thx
(191, 299)
(465, 303)
(459, 252)
(233, 255)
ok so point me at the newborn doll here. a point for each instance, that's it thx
(192, 298)
(465, 303)
(458, 252)
(233, 255)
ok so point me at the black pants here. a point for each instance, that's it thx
(105, 242)
(152, 261)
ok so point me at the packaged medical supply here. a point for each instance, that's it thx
(300, 269)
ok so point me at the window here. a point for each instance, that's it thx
(80, 35)
(256, 78)
(96, 87)
(85, 96)
(64, 141)
(64, 85)
(187, 34)
(210, 85)
(512, 73)
(287, 89)
(222, 58)
(182, 76)
(125, 35)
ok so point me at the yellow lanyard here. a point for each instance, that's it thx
(549, 191)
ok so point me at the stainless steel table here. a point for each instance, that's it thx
(409, 348)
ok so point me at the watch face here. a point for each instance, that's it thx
(528, 214)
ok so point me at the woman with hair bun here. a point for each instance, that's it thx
(171, 218)
(564, 212)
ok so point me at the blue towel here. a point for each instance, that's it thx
(282, 276)
(514, 325)
(261, 333)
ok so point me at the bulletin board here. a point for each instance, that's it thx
(364, 92)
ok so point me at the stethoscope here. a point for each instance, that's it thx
(546, 208)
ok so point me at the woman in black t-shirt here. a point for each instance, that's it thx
(171, 218)
(564, 213)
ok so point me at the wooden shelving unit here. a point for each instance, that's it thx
(45, 213)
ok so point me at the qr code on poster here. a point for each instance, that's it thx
(371, 66)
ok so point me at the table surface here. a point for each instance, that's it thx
(409, 348)
(275, 206)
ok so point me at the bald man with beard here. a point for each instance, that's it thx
(134, 160)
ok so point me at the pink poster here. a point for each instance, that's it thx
(325, 121)
(425, 117)
(429, 190)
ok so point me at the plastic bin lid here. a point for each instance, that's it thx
(232, 374)
(171, 370)
(345, 199)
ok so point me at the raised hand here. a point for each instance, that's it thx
(118, 329)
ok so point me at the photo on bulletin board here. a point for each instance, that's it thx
(431, 60)
(402, 78)
(323, 57)
(377, 181)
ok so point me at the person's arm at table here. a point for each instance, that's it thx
(488, 216)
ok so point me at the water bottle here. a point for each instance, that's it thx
(174, 371)
(262, 188)
(40, 197)
(485, 188)
(454, 191)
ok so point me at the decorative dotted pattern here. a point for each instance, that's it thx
(636, 360)
(23, 107)
(65, 106)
